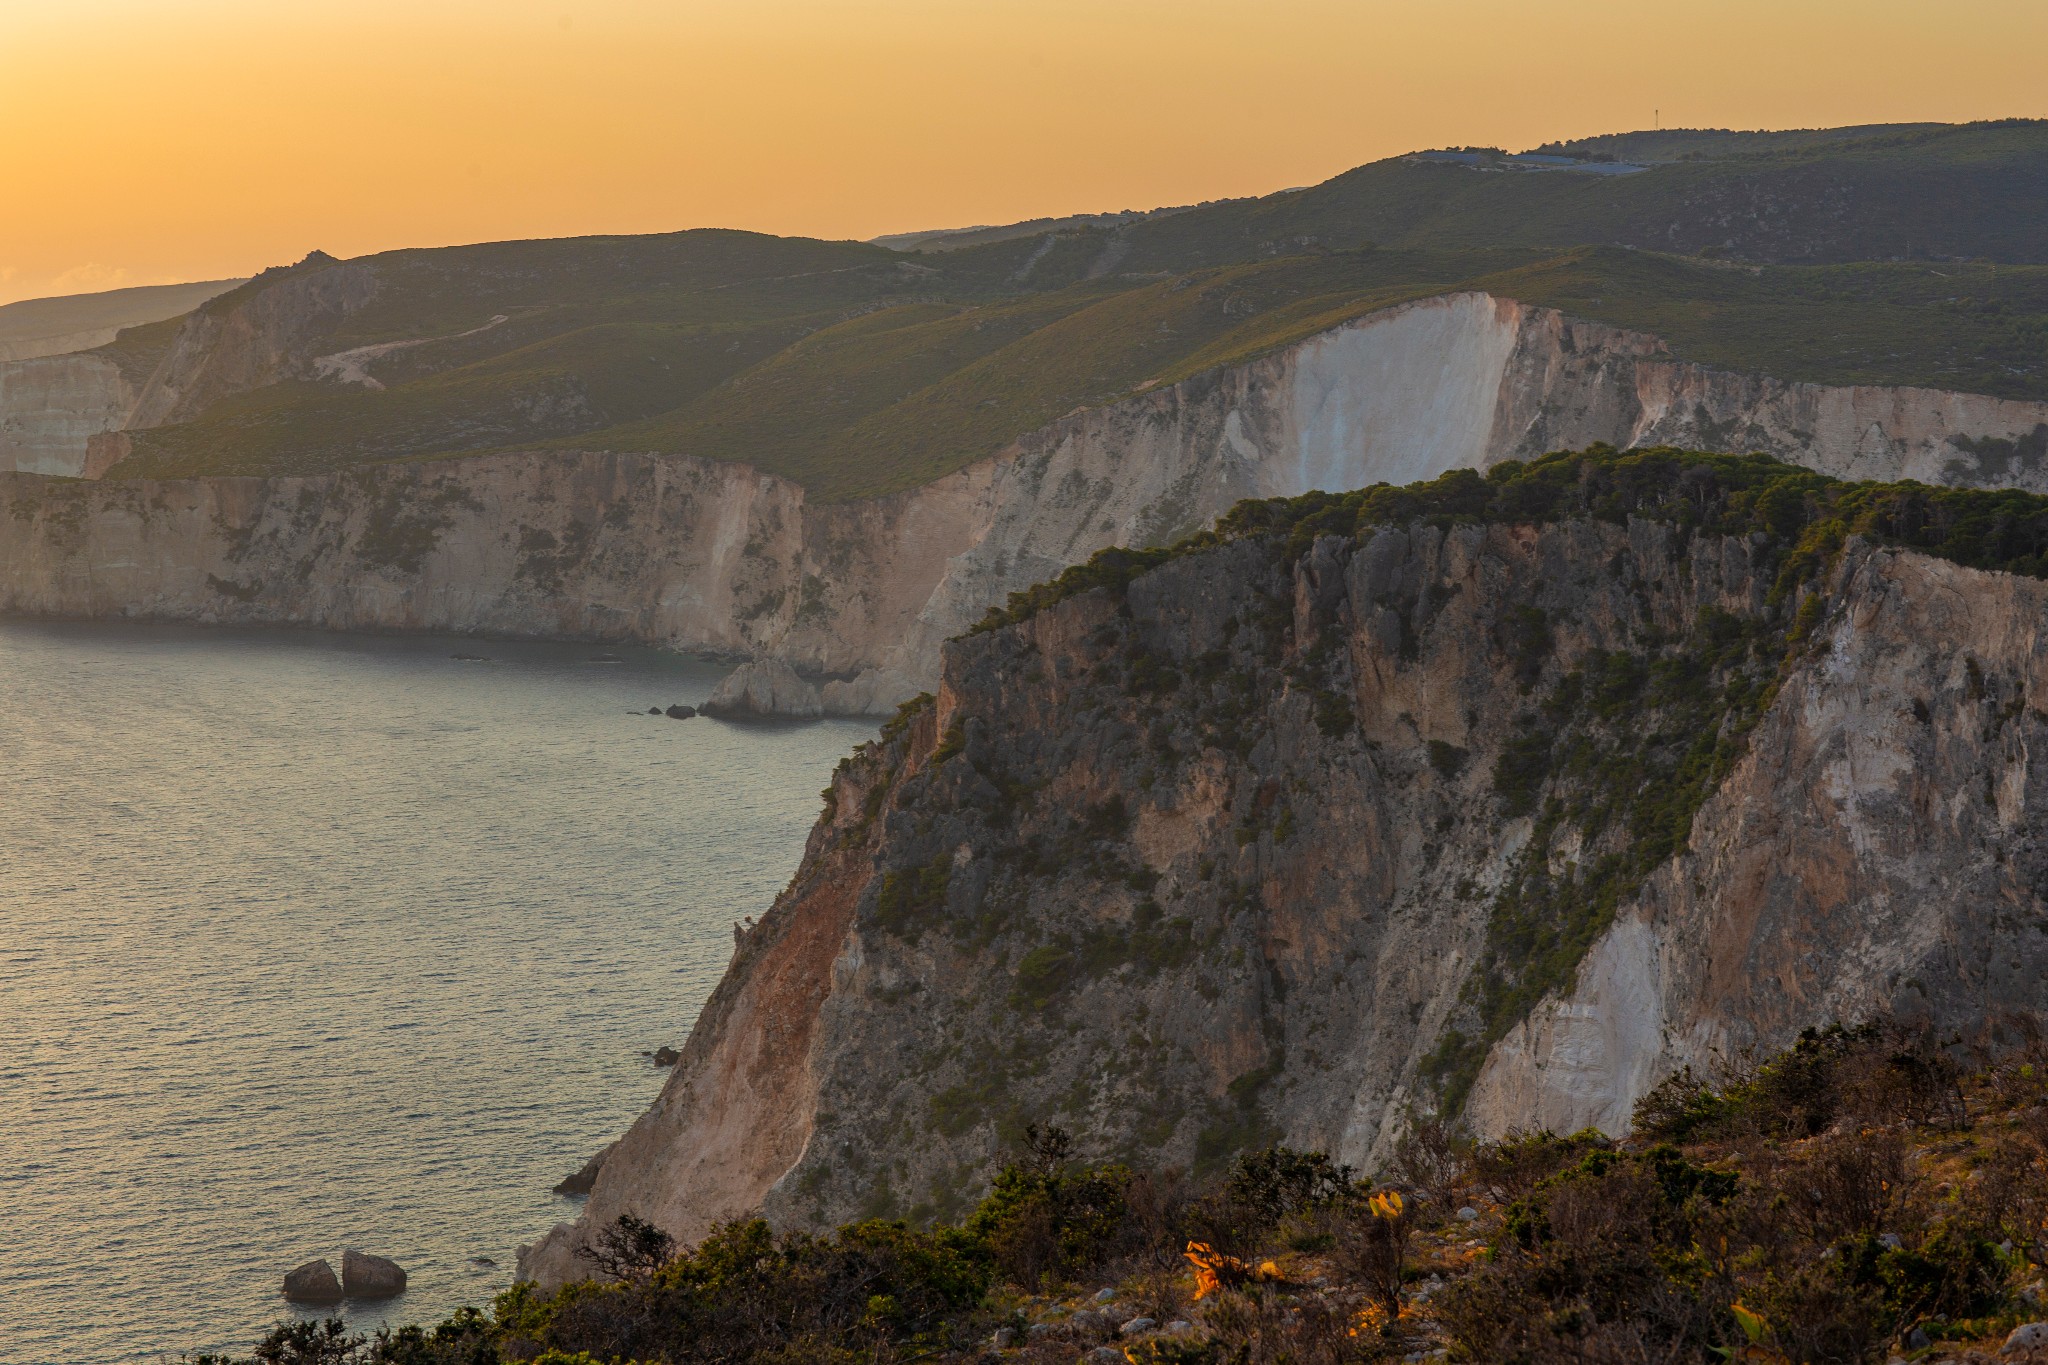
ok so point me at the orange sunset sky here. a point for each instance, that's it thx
(145, 141)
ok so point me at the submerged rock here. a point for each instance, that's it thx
(364, 1276)
(313, 1282)
(766, 689)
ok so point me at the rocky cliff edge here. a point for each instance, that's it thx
(1501, 801)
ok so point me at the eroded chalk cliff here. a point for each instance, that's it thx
(632, 547)
(52, 406)
(1279, 839)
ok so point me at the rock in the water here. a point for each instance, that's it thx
(666, 1056)
(876, 692)
(767, 689)
(581, 1182)
(313, 1282)
(680, 712)
(370, 1277)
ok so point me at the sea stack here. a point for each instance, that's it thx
(370, 1277)
(766, 689)
(313, 1282)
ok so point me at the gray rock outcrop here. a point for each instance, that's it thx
(586, 1176)
(364, 1276)
(313, 1282)
(876, 692)
(766, 689)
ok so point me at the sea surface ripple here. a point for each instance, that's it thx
(313, 941)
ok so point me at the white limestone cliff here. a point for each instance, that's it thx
(700, 554)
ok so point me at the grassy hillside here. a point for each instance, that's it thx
(1941, 192)
(1720, 144)
(857, 370)
(33, 319)
(893, 382)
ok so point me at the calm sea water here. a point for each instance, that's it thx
(309, 942)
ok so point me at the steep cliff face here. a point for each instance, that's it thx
(1877, 852)
(708, 555)
(51, 407)
(1278, 840)
(252, 337)
(598, 545)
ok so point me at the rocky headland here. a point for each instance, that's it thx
(1503, 798)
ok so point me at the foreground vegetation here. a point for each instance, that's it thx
(1858, 1197)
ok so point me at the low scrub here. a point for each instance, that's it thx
(1856, 1197)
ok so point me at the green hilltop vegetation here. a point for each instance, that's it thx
(857, 370)
(1941, 193)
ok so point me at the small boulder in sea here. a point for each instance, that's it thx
(370, 1277)
(313, 1282)
(766, 689)
(654, 710)
(666, 1056)
(680, 712)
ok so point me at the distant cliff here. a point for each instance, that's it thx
(1504, 797)
(51, 408)
(704, 554)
